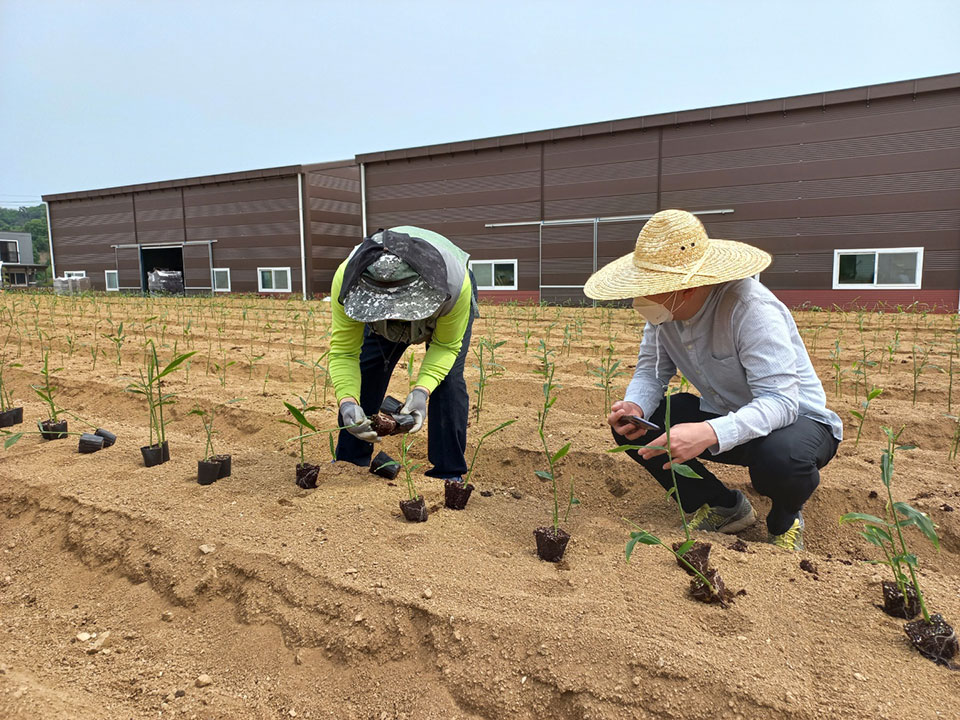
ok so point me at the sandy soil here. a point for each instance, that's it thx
(326, 604)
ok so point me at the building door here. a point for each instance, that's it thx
(128, 268)
(167, 257)
(197, 270)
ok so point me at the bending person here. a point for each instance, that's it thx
(400, 287)
(761, 404)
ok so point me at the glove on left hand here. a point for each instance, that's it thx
(416, 405)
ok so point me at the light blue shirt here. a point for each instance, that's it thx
(743, 352)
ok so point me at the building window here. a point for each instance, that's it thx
(273, 279)
(221, 279)
(16, 278)
(495, 274)
(112, 280)
(75, 274)
(879, 268)
(9, 252)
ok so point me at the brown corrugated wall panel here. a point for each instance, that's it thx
(333, 219)
(84, 232)
(807, 182)
(457, 195)
(255, 223)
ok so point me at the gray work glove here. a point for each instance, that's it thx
(416, 405)
(353, 415)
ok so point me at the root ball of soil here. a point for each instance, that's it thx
(414, 510)
(551, 544)
(702, 592)
(698, 556)
(307, 476)
(456, 494)
(935, 640)
(383, 425)
(896, 605)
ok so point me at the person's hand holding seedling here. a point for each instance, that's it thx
(687, 441)
(356, 422)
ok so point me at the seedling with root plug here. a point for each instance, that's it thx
(9, 415)
(692, 555)
(150, 387)
(414, 508)
(457, 493)
(551, 541)
(212, 467)
(903, 598)
(52, 428)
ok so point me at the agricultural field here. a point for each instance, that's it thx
(132, 592)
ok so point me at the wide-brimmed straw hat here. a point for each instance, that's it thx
(673, 252)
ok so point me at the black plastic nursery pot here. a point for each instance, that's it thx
(698, 556)
(935, 640)
(384, 466)
(456, 494)
(894, 603)
(414, 510)
(51, 430)
(11, 417)
(390, 421)
(208, 471)
(155, 454)
(108, 437)
(551, 545)
(225, 465)
(90, 443)
(307, 475)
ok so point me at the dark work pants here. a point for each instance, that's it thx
(784, 465)
(447, 409)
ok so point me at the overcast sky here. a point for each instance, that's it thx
(96, 93)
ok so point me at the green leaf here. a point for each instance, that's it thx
(560, 453)
(543, 475)
(175, 363)
(685, 470)
(12, 440)
(906, 447)
(574, 501)
(874, 393)
(857, 415)
(498, 428)
(299, 416)
(682, 550)
(921, 520)
(872, 539)
(861, 517)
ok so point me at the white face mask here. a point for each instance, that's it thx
(655, 313)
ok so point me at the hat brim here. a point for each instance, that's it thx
(725, 260)
(414, 301)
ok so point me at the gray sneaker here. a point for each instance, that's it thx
(710, 518)
(792, 538)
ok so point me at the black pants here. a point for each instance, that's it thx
(784, 465)
(447, 409)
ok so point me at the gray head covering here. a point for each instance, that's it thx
(389, 289)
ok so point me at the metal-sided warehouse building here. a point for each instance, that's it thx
(856, 194)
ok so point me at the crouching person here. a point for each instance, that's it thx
(761, 404)
(401, 287)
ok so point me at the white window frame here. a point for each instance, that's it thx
(260, 287)
(837, 285)
(504, 261)
(213, 279)
(106, 283)
(74, 273)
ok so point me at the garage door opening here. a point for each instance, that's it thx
(165, 258)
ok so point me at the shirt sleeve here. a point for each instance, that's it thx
(346, 339)
(769, 361)
(652, 375)
(447, 340)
